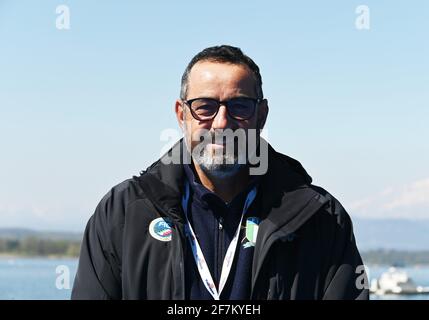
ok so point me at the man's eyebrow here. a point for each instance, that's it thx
(242, 96)
(233, 97)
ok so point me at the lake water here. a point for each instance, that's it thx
(39, 278)
(36, 278)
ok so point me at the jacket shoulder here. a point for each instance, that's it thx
(122, 194)
(332, 207)
(110, 211)
(99, 271)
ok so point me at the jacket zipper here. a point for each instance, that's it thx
(275, 236)
(182, 261)
(271, 240)
(219, 251)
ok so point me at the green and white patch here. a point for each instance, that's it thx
(252, 226)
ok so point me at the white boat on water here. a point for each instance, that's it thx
(396, 281)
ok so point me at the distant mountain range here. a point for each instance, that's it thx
(398, 234)
(22, 233)
(371, 234)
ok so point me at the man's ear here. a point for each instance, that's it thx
(262, 113)
(180, 114)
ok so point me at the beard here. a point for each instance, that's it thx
(219, 156)
(217, 165)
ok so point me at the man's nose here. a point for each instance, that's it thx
(222, 120)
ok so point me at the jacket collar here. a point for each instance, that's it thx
(284, 189)
(163, 182)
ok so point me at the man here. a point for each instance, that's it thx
(209, 229)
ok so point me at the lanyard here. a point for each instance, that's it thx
(200, 261)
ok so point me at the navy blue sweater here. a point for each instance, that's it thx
(214, 223)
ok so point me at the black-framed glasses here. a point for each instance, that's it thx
(205, 109)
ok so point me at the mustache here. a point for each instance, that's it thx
(217, 136)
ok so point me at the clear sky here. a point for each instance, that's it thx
(83, 109)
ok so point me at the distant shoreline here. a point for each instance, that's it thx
(372, 258)
(19, 243)
(11, 256)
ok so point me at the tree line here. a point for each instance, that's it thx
(37, 246)
(34, 246)
(395, 257)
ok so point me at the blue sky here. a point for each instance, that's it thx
(83, 109)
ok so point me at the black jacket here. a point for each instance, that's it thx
(305, 247)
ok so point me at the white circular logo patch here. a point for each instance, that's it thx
(160, 229)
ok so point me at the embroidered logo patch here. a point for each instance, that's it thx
(252, 225)
(160, 229)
